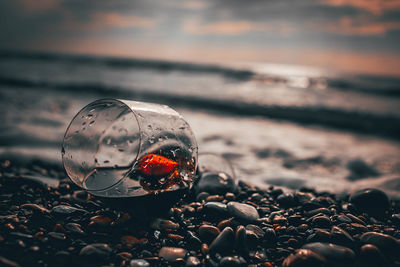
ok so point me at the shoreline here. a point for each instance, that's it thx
(214, 225)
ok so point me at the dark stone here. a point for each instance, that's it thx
(171, 253)
(95, 253)
(374, 202)
(139, 263)
(269, 234)
(344, 219)
(371, 256)
(258, 232)
(334, 254)
(304, 258)
(208, 233)
(232, 261)
(287, 200)
(74, 228)
(216, 210)
(341, 237)
(387, 244)
(193, 242)
(224, 243)
(64, 210)
(192, 262)
(241, 241)
(215, 184)
(322, 222)
(243, 212)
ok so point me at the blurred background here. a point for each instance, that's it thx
(293, 93)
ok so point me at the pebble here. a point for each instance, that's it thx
(370, 256)
(215, 184)
(334, 254)
(322, 222)
(241, 241)
(172, 254)
(216, 210)
(389, 245)
(341, 237)
(192, 262)
(374, 202)
(287, 200)
(243, 212)
(232, 261)
(224, 243)
(97, 252)
(35, 207)
(139, 263)
(74, 228)
(64, 210)
(208, 233)
(304, 258)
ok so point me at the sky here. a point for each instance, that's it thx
(361, 36)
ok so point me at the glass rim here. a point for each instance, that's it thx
(137, 154)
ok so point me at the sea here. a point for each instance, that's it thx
(278, 125)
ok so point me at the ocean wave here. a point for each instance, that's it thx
(353, 120)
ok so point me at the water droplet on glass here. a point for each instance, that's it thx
(95, 161)
(149, 127)
(123, 131)
(108, 141)
(89, 116)
(121, 150)
(106, 161)
(84, 123)
(91, 123)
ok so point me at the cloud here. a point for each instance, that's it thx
(377, 7)
(357, 26)
(234, 27)
(102, 21)
(194, 4)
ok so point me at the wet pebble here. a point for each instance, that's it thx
(304, 258)
(232, 261)
(172, 254)
(224, 242)
(334, 254)
(208, 233)
(389, 245)
(216, 210)
(64, 210)
(371, 256)
(139, 263)
(243, 212)
(374, 202)
(215, 184)
(192, 262)
(287, 200)
(97, 252)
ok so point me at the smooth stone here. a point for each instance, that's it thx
(139, 263)
(341, 237)
(171, 253)
(215, 184)
(344, 219)
(97, 252)
(241, 241)
(192, 262)
(334, 254)
(208, 233)
(215, 209)
(287, 200)
(322, 222)
(64, 210)
(232, 261)
(388, 245)
(224, 243)
(74, 228)
(304, 258)
(193, 242)
(374, 202)
(258, 232)
(370, 256)
(243, 212)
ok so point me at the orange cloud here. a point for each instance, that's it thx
(357, 26)
(102, 21)
(231, 27)
(376, 7)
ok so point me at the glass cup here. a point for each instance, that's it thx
(120, 148)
